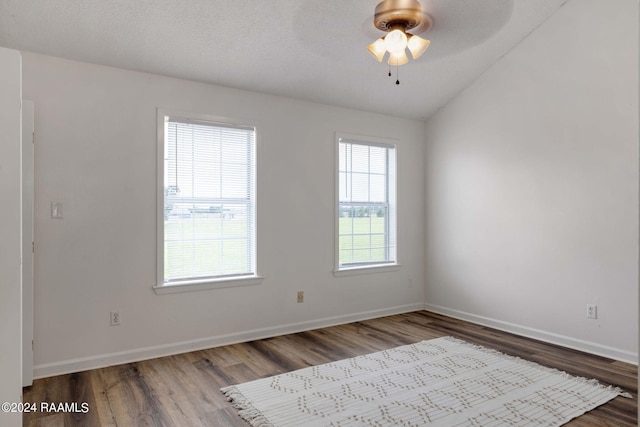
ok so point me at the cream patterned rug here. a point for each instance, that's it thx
(439, 382)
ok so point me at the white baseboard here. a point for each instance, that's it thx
(562, 340)
(138, 354)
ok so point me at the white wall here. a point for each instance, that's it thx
(96, 153)
(532, 186)
(10, 226)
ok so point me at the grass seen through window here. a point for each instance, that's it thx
(362, 239)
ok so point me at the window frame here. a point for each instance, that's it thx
(160, 286)
(373, 267)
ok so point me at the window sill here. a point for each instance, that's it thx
(206, 285)
(369, 269)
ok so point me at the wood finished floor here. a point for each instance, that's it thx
(183, 390)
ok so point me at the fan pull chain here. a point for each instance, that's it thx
(397, 72)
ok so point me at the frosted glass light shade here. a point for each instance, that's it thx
(395, 41)
(377, 49)
(417, 46)
(398, 58)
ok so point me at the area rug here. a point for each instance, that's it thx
(439, 382)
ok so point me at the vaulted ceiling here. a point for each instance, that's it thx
(305, 49)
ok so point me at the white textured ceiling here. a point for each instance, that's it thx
(305, 49)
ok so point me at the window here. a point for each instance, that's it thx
(366, 211)
(207, 203)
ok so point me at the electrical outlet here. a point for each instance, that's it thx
(300, 296)
(115, 318)
(592, 311)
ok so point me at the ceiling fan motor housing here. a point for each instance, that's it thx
(391, 14)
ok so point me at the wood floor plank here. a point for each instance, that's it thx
(183, 390)
(54, 420)
(102, 405)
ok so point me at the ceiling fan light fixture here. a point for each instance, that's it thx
(398, 58)
(395, 41)
(377, 49)
(417, 45)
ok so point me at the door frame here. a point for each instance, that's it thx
(28, 156)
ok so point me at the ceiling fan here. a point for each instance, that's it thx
(396, 17)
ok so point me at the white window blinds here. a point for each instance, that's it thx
(366, 204)
(209, 200)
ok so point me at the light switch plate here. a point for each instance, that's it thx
(56, 210)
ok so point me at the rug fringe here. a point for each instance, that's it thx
(617, 390)
(245, 409)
